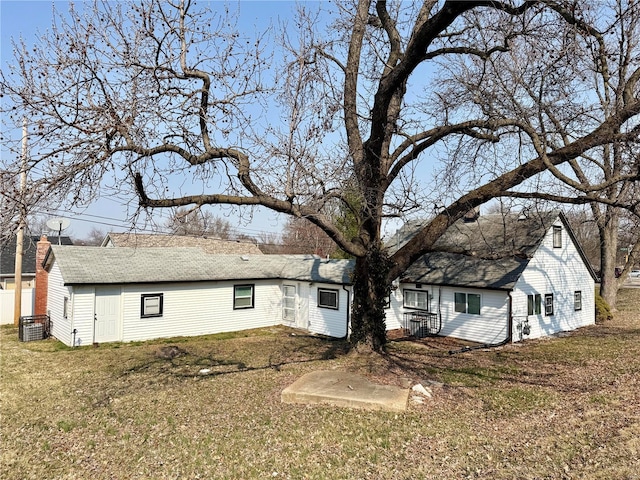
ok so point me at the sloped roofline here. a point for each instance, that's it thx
(444, 267)
(576, 243)
(147, 265)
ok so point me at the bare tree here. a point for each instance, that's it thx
(199, 223)
(595, 70)
(93, 238)
(300, 236)
(355, 108)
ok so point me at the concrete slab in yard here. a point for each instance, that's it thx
(345, 389)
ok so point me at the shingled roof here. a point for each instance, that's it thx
(95, 266)
(491, 251)
(29, 248)
(209, 245)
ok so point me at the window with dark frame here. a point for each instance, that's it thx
(243, 296)
(328, 298)
(577, 300)
(65, 307)
(151, 305)
(548, 304)
(467, 303)
(418, 299)
(534, 304)
(557, 237)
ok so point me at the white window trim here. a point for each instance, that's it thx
(415, 305)
(466, 303)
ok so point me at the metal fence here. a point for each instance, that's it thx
(34, 327)
(422, 324)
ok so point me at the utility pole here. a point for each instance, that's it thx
(17, 305)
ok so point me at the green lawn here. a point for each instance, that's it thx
(566, 407)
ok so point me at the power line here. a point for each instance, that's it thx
(119, 223)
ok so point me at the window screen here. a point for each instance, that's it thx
(328, 298)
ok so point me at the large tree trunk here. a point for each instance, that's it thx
(608, 252)
(371, 291)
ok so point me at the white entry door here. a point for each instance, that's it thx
(289, 304)
(107, 315)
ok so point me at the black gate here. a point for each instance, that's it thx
(422, 324)
(34, 327)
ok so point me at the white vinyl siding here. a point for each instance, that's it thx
(61, 326)
(490, 326)
(328, 321)
(198, 309)
(560, 272)
(396, 308)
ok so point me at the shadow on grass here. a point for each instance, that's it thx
(183, 363)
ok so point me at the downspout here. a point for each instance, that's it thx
(348, 311)
(494, 345)
(440, 305)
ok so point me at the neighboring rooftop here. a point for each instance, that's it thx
(490, 251)
(209, 245)
(91, 265)
(8, 254)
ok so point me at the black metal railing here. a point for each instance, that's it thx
(422, 324)
(34, 327)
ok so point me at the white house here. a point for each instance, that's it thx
(491, 279)
(98, 295)
(495, 279)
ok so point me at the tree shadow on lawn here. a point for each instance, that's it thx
(581, 361)
(188, 362)
(406, 361)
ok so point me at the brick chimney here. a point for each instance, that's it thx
(42, 277)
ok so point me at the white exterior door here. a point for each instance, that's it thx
(289, 304)
(107, 315)
(302, 315)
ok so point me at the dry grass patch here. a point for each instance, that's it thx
(209, 407)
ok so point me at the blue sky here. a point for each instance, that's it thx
(25, 18)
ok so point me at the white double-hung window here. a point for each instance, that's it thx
(417, 299)
(243, 296)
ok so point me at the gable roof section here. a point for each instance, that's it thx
(490, 252)
(97, 266)
(29, 248)
(209, 245)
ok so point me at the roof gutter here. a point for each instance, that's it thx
(346, 334)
